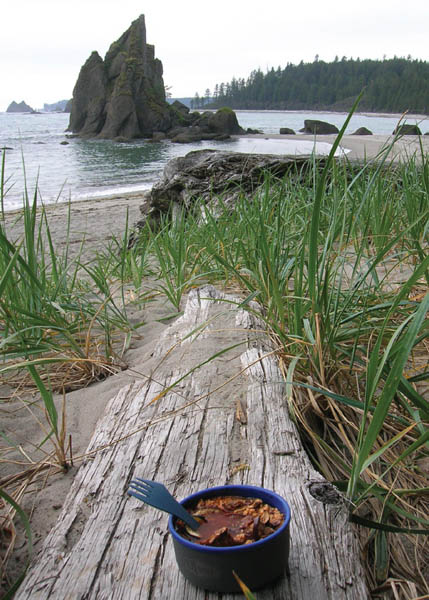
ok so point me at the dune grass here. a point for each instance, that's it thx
(61, 319)
(339, 265)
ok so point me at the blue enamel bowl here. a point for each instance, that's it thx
(257, 564)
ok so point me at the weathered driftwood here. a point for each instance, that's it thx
(107, 545)
(212, 175)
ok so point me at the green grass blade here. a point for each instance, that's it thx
(390, 387)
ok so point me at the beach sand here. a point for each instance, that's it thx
(94, 222)
(361, 147)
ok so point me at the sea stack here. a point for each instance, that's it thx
(123, 95)
(22, 107)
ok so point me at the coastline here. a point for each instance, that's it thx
(366, 147)
(357, 148)
(333, 112)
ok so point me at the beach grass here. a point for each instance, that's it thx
(62, 322)
(339, 266)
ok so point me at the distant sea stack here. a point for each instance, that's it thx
(122, 95)
(22, 107)
(59, 106)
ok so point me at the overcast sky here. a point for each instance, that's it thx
(43, 43)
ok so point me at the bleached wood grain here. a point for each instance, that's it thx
(108, 546)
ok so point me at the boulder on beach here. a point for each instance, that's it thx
(286, 131)
(362, 131)
(21, 107)
(407, 129)
(320, 127)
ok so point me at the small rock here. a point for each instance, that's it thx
(286, 131)
(158, 136)
(362, 131)
(407, 129)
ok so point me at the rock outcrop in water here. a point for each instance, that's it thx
(123, 96)
(22, 107)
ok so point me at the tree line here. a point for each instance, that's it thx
(390, 85)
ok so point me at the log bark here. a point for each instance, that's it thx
(193, 422)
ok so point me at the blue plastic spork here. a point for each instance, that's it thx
(157, 495)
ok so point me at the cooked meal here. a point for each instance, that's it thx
(231, 521)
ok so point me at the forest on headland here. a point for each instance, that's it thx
(390, 85)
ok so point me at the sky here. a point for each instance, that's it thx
(44, 43)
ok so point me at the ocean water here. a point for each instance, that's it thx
(36, 157)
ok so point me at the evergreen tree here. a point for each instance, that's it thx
(392, 85)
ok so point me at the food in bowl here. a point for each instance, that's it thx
(231, 521)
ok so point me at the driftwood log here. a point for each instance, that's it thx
(210, 176)
(192, 427)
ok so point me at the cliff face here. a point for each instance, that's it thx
(122, 96)
(87, 114)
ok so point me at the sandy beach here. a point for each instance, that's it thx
(366, 147)
(93, 222)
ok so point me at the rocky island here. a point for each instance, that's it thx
(123, 97)
(22, 107)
